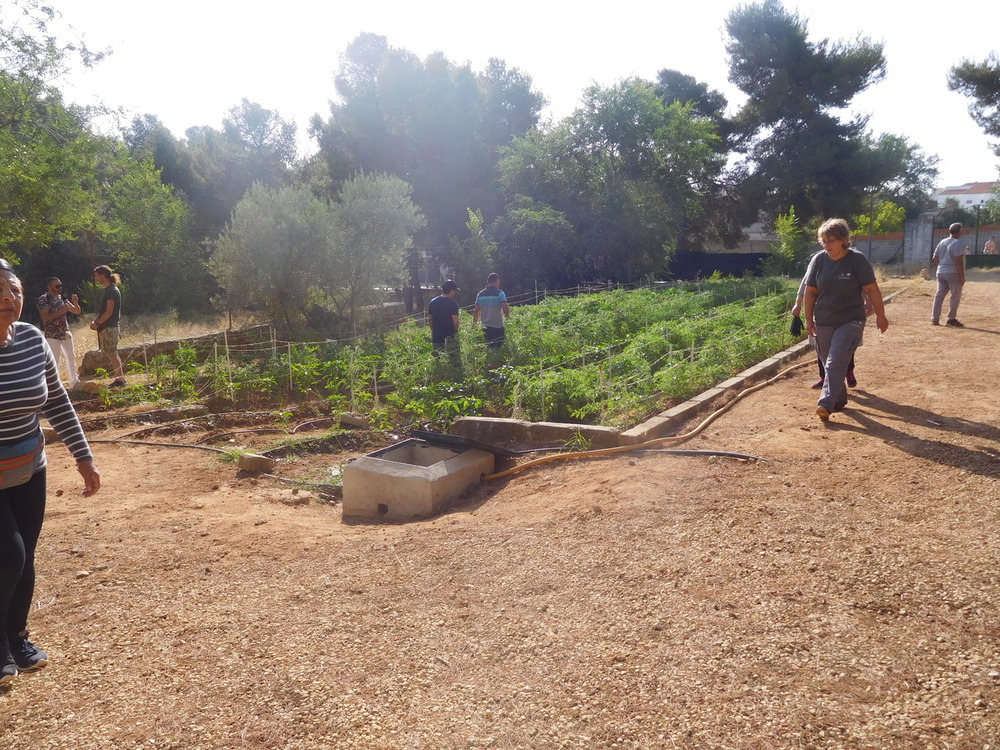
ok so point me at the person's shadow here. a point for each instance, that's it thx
(888, 420)
(982, 330)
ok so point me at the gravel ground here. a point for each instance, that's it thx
(841, 594)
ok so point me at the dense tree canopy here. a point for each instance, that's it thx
(434, 124)
(45, 150)
(625, 171)
(798, 151)
(69, 198)
(980, 81)
(269, 253)
(425, 164)
(146, 228)
(674, 86)
(295, 253)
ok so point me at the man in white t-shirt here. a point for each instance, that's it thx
(950, 257)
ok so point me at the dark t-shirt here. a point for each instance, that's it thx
(111, 292)
(441, 309)
(839, 282)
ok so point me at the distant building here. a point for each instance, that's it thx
(967, 195)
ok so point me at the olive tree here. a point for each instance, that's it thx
(290, 252)
(269, 253)
(374, 222)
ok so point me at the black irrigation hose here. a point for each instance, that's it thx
(201, 441)
(155, 427)
(651, 443)
(162, 445)
(642, 447)
(726, 454)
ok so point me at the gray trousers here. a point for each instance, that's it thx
(836, 345)
(947, 282)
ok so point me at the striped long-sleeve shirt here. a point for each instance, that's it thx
(29, 385)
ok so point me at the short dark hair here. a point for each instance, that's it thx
(492, 277)
(448, 286)
(50, 280)
(955, 228)
(6, 266)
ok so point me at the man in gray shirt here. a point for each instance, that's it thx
(950, 257)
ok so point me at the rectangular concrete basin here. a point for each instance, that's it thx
(410, 480)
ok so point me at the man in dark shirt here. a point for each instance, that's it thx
(443, 314)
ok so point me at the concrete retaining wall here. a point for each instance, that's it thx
(521, 434)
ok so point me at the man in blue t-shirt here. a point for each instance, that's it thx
(443, 314)
(491, 305)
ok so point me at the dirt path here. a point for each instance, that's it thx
(842, 594)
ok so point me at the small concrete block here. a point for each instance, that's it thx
(185, 411)
(800, 346)
(411, 480)
(496, 430)
(707, 397)
(771, 364)
(89, 386)
(350, 420)
(681, 411)
(761, 371)
(555, 433)
(735, 383)
(253, 462)
(652, 428)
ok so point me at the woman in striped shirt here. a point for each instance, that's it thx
(29, 386)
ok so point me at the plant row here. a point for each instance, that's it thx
(609, 358)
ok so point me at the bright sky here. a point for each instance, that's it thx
(189, 61)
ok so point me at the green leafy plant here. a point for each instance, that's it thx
(231, 455)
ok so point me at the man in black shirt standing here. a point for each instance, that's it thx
(443, 314)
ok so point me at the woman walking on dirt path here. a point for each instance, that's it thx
(835, 309)
(29, 386)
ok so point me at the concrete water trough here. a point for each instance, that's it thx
(410, 480)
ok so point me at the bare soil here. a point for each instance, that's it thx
(841, 593)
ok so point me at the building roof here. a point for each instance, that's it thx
(969, 187)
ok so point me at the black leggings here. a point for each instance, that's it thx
(22, 509)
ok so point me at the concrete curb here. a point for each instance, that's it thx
(666, 422)
(518, 432)
(509, 432)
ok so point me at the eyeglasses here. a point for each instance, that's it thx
(58, 286)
